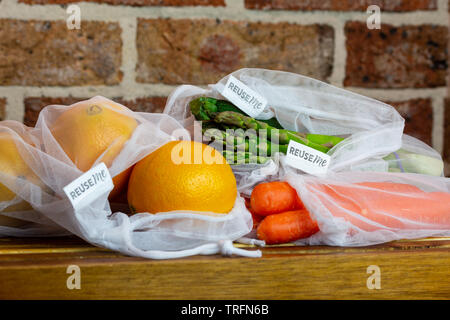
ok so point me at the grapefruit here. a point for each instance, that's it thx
(93, 129)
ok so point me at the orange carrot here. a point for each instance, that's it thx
(286, 227)
(378, 206)
(391, 187)
(274, 197)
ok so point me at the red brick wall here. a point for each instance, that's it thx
(45, 53)
(203, 51)
(396, 57)
(138, 51)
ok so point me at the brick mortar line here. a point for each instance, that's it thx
(437, 102)
(340, 55)
(129, 54)
(442, 6)
(142, 89)
(154, 90)
(437, 134)
(164, 89)
(101, 12)
(399, 94)
(149, 89)
(235, 4)
(15, 108)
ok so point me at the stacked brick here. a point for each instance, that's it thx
(170, 48)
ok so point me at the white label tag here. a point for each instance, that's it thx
(307, 159)
(246, 99)
(89, 186)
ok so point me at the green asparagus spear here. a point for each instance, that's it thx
(205, 108)
(241, 157)
(224, 105)
(283, 136)
(202, 109)
(265, 147)
(214, 134)
(327, 141)
(252, 143)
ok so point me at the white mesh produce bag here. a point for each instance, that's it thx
(415, 156)
(365, 208)
(355, 208)
(373, 130)
(307, 105)
(374, 150)
(18, 182)
(102, 222)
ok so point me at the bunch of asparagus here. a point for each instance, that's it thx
(244, 139)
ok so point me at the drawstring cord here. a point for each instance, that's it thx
(251, 241)
(223, 247)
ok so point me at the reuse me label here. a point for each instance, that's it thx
(89, 186)
(246, 99)
(307, 159)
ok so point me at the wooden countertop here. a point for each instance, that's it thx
(38, 269)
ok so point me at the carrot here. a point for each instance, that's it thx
(274, 197)
(391, 187)
(286, 227)
(372, 207)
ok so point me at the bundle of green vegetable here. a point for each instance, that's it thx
(225, 123)
(244, 139)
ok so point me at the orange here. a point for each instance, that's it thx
(92, 128)
(12, 164)
(182, 175)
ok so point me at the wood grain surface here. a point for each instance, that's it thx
(37, 269)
